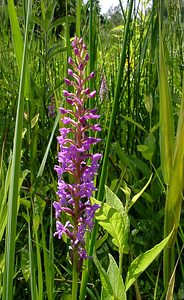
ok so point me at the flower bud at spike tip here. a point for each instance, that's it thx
(75, 157)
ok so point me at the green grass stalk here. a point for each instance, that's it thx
(78, 18)
(15, 174)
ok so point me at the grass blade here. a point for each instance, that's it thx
(166, 117)
(14, 186)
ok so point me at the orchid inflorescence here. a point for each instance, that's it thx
(75, 158)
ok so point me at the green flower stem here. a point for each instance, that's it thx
(75, 275)
(120, 262)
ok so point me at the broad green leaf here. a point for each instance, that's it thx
(104, 279)
(116, 280)
(115, 224)
(148, 149)
(143, 261)
(114, 201)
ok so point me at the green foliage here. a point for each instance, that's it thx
(116, 224)
(113, 286)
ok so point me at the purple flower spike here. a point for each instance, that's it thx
(75, 157)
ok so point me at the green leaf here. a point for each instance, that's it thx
(114, 201)
(143, 261)
(117, 225)
(56, 49)
(120, 27)
(49, 14)
(116, 280)
(134, 122)
(61, 21)
(3, 221)
(148, 149)
(37, 21)
(166, 116)
(104, 279)
(136, 197)
(16, 33)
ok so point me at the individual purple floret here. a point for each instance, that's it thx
(77, 164)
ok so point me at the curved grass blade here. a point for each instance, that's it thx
(14, 186)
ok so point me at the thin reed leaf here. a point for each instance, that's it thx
(17, 39)
(174, 196)
(78, 18)
(34, 290)
(14, 186)
(166, 116)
